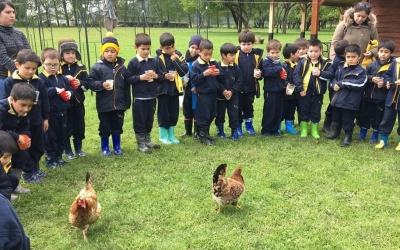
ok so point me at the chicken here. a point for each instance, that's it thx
(227, 190)
(85, 210)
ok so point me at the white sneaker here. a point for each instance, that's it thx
(14, 197)
(21, 190)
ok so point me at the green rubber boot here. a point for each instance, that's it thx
(314, 130)
(304, 129)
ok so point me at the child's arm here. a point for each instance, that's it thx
(44, 104)
(180, 65)
(237, 86)
(356, 84)
(297, 76)
(93, 80)
(51, 91)
(7, 86)
(271, 69)
(326, 73)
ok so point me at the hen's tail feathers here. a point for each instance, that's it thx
(221, 170)
(87, 176)
(88, 181)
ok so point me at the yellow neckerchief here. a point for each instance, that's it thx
(11, 111)
(225, 65)
(291, 64)
(384, 68)
(16, 76)
(178, 79)
(371, 45)
(47, 74)
(7, 167)
(141, 58)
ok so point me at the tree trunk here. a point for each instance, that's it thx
(228, 22)
(190, 21)
(64, 4)
(56, 13)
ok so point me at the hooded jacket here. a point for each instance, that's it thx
(355, 34)
(371, 91)
(392, 75)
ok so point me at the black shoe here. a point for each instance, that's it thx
(347, 138)
(62, 162)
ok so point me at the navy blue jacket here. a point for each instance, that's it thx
(12, 234)
(271, 72)
(392, 75)
(12, 123)
(78, 71)
(232, 79)
(40, 110)
(289, 68)
(205, 84)
(168, 87)
(58, 107)
(351, 80)
(303, 70)
(143, 89)
(5, 184)
(247, 64)
(371, 91)
(119, 98)
(337, 60)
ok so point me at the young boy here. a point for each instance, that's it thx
(248, 60)
(302, 44)
(143, 73)
(77, 75)
(206, 77)
(348, 85)
(113, 97)
(59, 92)
(14, 120)
(8, 147)
(189, 97)
(310, 77)
(291, 56)
(228, 94)
(273, 90)
(27, 62)
(392, 105)
(173, 68)
(375, 91)
(339, 58)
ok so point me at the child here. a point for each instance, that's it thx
(205, 74)
(302, 44)
(310, 77)
(14, 120)
(59, 92)
(8, 147)
(189, 97)
(392, 105)
(112, 93)
(291, 56)
(248, 59)
(348, 85)
(375, 91)
(77, 75)
(141, 73)
(273, 90)
(27, 62)
(169, 60)
(339, 58)
(228, 94)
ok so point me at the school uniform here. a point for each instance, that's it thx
(39, 112)
(55, 136)
(289, 101)
(189, 98)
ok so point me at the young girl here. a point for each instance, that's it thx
(112, 94)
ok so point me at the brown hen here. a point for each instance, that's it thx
(85, 210)
(227, 190)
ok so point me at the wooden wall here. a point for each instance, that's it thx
(387, 12)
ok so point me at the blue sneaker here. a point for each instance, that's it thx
(31, 178)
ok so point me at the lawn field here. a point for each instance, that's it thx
(301, 193)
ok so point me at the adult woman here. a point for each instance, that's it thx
(11, 40)
(358, 27)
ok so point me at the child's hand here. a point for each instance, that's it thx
(45, 125)
(24, 142)
(59, 90)
(368, 54)
(216, 72)
(107, 86)
(68, 93)
(257, 73)
(303, 93)
(173, 57)
(336, 87)
(169, 76)
(208, 72)
(193, 90)
(69, 77)
(77, 82)
(316, 72)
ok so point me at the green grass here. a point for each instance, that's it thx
(301, 193)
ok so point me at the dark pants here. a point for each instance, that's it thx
(187, 105)
(232, 107)
(111, 123)
(372, 114)
(246, 109)
(310, 108)
(345, 117)
(36, 150)
(54, 137)
(206, 109)
(389, 119)
(272, 111)
(289, 108)
(167, 110)
(143, 115)
(76, 122)
(14, 181)
(19, 160)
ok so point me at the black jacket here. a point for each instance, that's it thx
(232, 79)
(351, 80)
(271, 72)
(40, 110)
(247, 63)
(168, 87)
(119, 98)
(205, 84)
(78, 71)
(58, 107)
(371, 91)
(5, 184)
(12, 123)
(392, 75)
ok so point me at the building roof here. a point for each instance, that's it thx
(340, 3)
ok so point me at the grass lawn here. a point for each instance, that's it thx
(301, 193)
